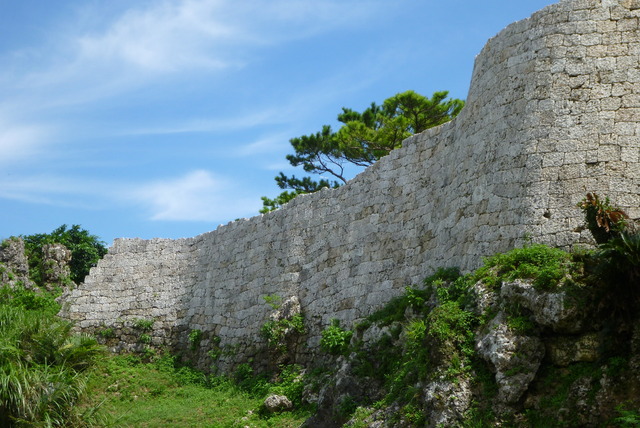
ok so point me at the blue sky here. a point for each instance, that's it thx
(166, 118)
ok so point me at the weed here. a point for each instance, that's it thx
(273, 300)
(106, 332)
(627, 418)
(275, 332)
(521, 324)
(143, 324)
(415, 333)
(335, 340)
(195, 336)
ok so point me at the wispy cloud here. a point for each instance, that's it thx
(264, 145)
(144, 46)
(54, 190)
(196, 196)
(177, 37)
(218, 124)
(21, 141)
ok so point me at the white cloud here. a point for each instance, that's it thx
(177, 37)
(19, 142)
(197, 196)
(168, 37)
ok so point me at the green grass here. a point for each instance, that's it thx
(159, 394)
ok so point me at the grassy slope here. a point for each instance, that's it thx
(157, 394)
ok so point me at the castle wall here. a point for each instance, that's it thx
(553, 112)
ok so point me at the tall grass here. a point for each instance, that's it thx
(42, 364)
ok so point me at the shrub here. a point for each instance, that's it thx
(618, 257)
(143, 324)
(29, 300)
(619, 271)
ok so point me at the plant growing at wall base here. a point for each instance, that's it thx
(335, 340)
(106, 332)
(143, 324)
(275, 331)
(195, 336)
(42, 368)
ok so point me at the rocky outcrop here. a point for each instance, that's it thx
(14, 266)
(56, 271)
(515, 358)
(557, 310)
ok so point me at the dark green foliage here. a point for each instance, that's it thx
(335, 339)
(619, 272)
(362, 139)
(435, 340)
(143, 324)
(290, 383)
(251, 382)
(297, 187)
(86, 250)
(557, 383)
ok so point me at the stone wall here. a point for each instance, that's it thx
(553, 112)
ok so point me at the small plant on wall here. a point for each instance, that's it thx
(604, 221)
(195, 336)
(335, 340)
(275, 332)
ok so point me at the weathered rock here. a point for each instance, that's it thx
(289, 308)
(555, 310)
(287, 337)
(564, 350)
(277, 403)
(515, 358)
(447, 401)
(14, 266)
(55, 265)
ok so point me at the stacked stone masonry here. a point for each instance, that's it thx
(553, 112)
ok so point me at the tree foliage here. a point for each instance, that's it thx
(363, 138)
(86, 249)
